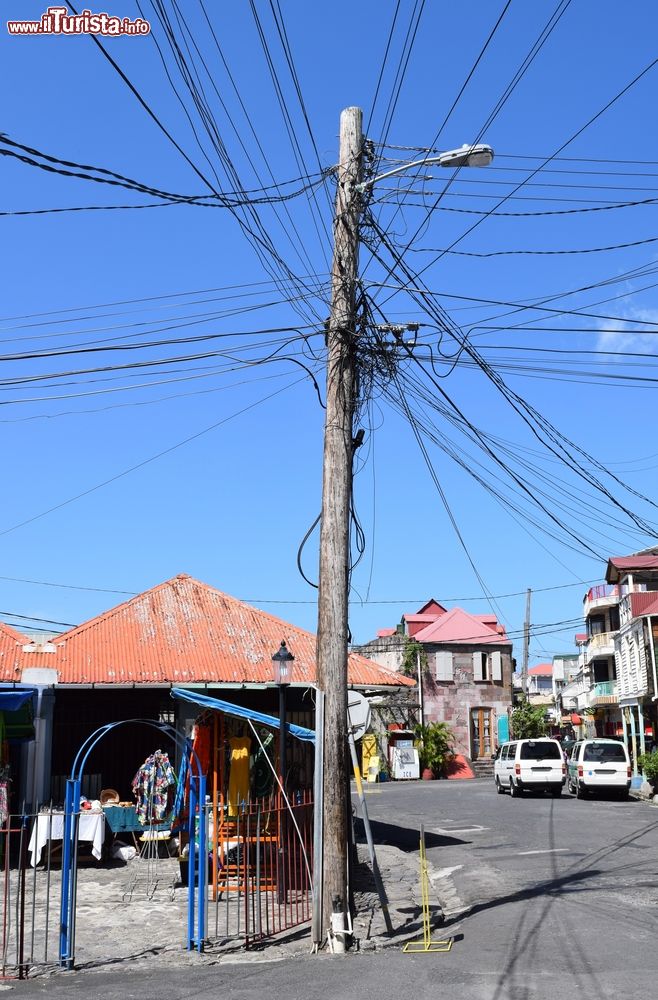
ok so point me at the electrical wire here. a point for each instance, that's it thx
(147, 461)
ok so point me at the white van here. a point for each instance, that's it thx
(530, 765)
(599, 765)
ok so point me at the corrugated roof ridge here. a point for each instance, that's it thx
(12, 633)
(288, 627)
(105, 615)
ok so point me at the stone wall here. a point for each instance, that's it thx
(453, 701)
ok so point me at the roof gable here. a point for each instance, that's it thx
(459, 627)
(618, 565)
(11, 646)
(541, 670)
(431, 607)
(184, 632)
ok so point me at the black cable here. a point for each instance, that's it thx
(147, 108)
(147, 461)
(301, 549)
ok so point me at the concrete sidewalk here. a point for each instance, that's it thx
(127, 915)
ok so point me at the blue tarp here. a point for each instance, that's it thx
(241, 713)
(13, 699)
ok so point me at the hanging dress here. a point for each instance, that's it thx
(238, 779)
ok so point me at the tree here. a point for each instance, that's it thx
(412, 650)
(436, 743)
(528, 722)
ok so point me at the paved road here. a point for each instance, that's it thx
(545, 898)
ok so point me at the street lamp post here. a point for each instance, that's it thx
(339, 446)
(282, 660)
(479, 155)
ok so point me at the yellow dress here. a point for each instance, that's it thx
(238, 779)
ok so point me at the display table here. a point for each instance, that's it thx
(50, 826)
(122, 819)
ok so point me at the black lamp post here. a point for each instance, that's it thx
(282, 660)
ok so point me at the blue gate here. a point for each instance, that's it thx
(197, 872)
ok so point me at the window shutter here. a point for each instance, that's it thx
(478, 667)
(443, 665)
(496, 666)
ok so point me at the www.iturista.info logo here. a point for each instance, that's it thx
(58, 21)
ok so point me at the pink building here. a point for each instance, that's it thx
(467, 672)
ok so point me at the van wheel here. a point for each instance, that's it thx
(580, 791)
(499, 787)
(514, 790)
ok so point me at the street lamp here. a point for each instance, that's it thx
(282, 660)
(479, 155)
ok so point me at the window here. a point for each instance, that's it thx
(537, 750)
(444, 665)
(488, 666)
(604, 752)
(505, 752)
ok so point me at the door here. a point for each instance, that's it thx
(481, 733)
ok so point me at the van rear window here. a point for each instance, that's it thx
(604, 752)
(536, 750)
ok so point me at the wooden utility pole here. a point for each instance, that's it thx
(526, 644)
(332, 641)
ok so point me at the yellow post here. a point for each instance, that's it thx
(425, 944)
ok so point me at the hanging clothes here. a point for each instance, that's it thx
(201, 747)
(238, 780)
(264, 765)
(151, 786)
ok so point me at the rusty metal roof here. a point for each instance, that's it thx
(11, 645)
(186, 632)
(619, 565)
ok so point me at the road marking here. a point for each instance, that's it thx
(444, 872)
(549, 850)
(447, 831)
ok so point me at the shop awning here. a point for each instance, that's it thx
(239, 712)
(12, 700)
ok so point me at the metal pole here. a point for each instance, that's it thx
(421, 706)
(282, 735)
(381, 891)
(318, 812)
(526, 644)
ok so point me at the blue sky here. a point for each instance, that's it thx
(237, 481)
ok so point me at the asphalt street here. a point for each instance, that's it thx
(543, 897)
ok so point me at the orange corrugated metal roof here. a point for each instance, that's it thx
(11, 646)
(186, 632)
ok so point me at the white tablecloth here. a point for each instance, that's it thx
(49, 826)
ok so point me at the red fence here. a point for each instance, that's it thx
(260, 867)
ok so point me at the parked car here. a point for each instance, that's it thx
(530, 765)
(599, 765)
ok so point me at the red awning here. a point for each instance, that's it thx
(576, 719)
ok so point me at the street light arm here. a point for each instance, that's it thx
(479, 155)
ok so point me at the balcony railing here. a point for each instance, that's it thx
(604, 689)
(601, 640)
(604, 693)
(603, 590)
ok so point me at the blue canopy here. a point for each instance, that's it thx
(241, 713)
(11, 699)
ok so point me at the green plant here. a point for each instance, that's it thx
(436, 743)
(528, 722)
(410, 654)
(648, 764)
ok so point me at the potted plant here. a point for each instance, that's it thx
(648, 764)
(435, 748)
